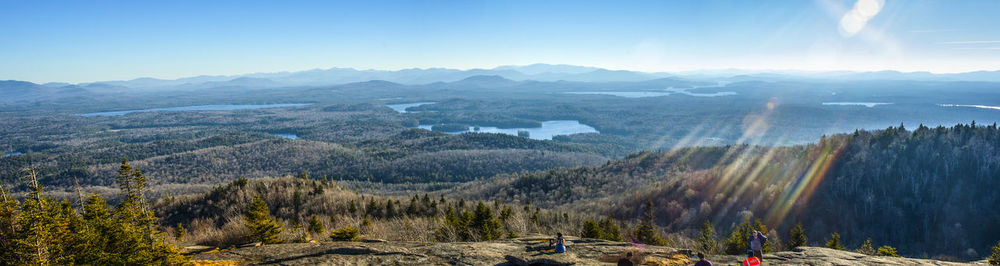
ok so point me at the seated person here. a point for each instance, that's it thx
(560, 243)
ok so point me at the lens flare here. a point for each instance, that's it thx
(803, 188)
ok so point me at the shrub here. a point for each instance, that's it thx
(887, 251)
(345, 234)
(866, 248)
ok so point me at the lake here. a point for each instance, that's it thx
(218, 107)
(401, 107)
(9, 154)
(548, 129)
(865, 104)
(656, 93)
(287, 136)
(971, 105)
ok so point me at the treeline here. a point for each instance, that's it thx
(938, 180)
(302, 209)
(41, 231)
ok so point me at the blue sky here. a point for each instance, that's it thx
(80, 41)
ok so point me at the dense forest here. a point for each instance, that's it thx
(939, 180)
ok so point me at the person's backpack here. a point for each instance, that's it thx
(751, 261)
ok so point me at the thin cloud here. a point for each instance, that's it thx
(969, 42)
(935, 30)
(977, 48)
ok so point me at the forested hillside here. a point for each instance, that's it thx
(939, 182)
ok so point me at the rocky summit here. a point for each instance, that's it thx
(520, 251)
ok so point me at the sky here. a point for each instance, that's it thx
(83, 41)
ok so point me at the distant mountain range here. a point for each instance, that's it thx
(20, 90)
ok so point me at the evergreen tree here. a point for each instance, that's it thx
(262, 227)
(887, 251)
(994, 259)
(866, 248)
(372, 209)
(34, 238)
(352, 208)
(796, 237)
(646, 231)
(736, 243)
(315, 225)
(488, 227)
(610, 229)
(591, 229)
(179, 232)
(139, 242)
(411, 209)
(834, 242)
(390, 209)
(9, 212)
(707, 239)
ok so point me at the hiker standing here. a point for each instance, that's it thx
(757, 241)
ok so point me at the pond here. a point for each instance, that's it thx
(865, 104)
(401, 107)
(218, 107)
(548, 129)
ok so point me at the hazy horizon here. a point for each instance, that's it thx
(85, 42)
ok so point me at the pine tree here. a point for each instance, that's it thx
(134, 232)
(179, 232)
(352, 208)
(315, 225)
(591, 229)
(866, 248)
(488, 227)
(390, 209)
(372, 209)
(834, 242)
(645, 232)
(994, 259)
(610, 229)
(262, 227)
(736, 243)
(796, 237)
(9, 212)
(707, 239)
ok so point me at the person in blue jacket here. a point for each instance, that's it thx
(757, 241)
(560, 243)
